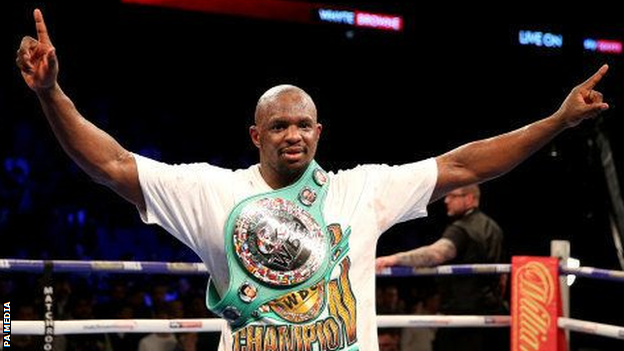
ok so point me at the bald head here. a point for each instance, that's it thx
(462, 200)
(284, 98)
(286, 132)
(474, 190)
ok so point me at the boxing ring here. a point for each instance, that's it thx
(50, 327)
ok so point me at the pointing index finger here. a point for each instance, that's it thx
(42, 31)
(591, 82)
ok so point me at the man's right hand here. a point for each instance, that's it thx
(36, 58)
(384, 262)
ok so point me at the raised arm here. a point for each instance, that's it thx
(95, 151)
(485, 159)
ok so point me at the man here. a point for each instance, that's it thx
(315, 286)
(471, 237)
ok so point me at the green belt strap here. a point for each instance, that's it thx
(276, 243)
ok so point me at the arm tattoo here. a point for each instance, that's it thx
(435, 254)
(420, 257)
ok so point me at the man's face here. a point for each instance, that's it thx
(457, 203)
(287, 134)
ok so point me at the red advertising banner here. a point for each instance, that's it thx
(535, 304)
(286, 10)
(267, 9)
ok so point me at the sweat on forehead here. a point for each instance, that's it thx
(271, 97)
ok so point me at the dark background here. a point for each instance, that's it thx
(182, 86)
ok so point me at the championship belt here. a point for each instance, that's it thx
(277, 243)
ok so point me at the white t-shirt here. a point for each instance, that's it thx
(193, 201)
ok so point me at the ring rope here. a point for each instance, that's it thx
(440, 321)
(458, 269)
(612, 331)
(65, 266)
(95, 326)
(593, 272)
(22, 265)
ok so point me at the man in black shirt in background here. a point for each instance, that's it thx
(472, 237)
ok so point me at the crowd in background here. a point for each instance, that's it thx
(102, 296)
(115, 296)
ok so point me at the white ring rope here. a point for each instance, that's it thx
(439, 321)
(94, 326)
(586, 327)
